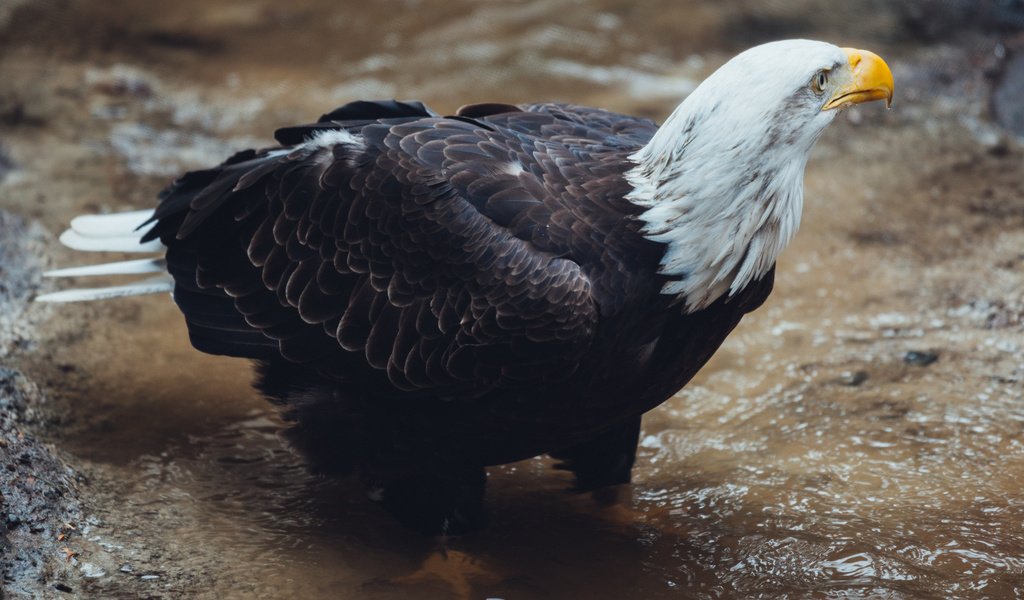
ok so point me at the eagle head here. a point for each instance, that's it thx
(722, 180)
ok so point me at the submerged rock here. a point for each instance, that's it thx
(919, 358)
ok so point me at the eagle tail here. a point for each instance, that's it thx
(118, 232)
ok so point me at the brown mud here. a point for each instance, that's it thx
(862, 435)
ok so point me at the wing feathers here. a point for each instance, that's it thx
(436, 252)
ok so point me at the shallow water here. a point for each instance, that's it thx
(809, 459)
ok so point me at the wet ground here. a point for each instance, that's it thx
(862, 435)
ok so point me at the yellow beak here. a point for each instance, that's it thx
(872, 80)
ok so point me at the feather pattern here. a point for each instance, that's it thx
(435, 252)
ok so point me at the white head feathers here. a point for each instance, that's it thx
(722, 180)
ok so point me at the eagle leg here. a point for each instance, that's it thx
(439, 499)
(605, 459)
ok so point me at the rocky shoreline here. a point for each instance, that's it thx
(40, 511)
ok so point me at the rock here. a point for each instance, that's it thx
(37, 490)
(1006, 100)
(91, 571)
(852, 378)
(920, 358)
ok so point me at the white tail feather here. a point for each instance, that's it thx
(153, 285)
(121, 224)
(117, 232)
(128, 243)
(127, 267)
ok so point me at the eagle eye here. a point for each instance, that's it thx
(819, 82)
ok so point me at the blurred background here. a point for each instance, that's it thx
(859, 436)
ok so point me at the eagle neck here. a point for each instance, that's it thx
(724, 202)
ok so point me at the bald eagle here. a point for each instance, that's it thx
(429, 295)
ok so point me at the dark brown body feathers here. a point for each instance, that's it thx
(436, 294)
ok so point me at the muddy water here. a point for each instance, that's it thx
(816, 456)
